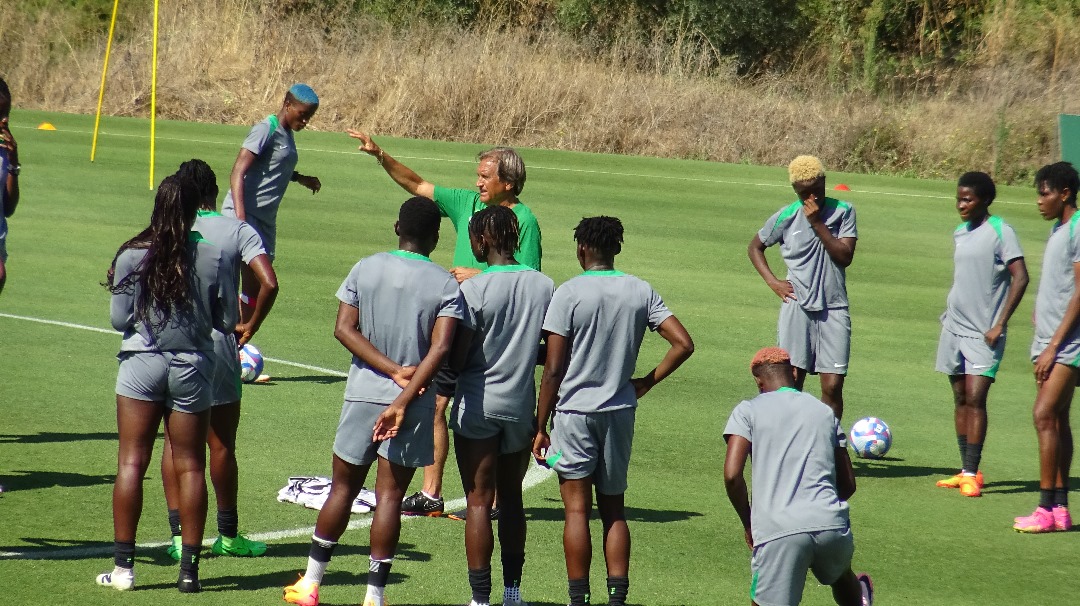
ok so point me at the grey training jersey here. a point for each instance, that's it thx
(505, 306)
(793, 440)
(268, 177)
(189, 327)
(819, 283)
(1057, 282)
(604, 315)
(239, 243)
(399, 295)
(981, 277)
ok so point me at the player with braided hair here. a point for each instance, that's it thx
(166, 300)
(9, 176)
(495, 350)
(240, 245)
(594, 328)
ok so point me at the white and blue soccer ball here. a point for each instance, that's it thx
(870, 438)
(251, 363)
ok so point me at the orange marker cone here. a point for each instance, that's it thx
(46, 126)
(842, 187)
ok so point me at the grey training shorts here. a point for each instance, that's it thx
(226, 381)
(413, 446)
(958, 355)
(180, 380)
(779, 566)
(818, 341)
(514, 436)
(595, 444)
(1069, 354)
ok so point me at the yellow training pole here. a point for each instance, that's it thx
(153, 96)
(104, 70)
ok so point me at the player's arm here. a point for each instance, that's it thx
(555, 365)
(442, 338)
(1045, 362)
(1019, 283)
(841, 250)
(347, 332)
(11, 180)
(845, 474)
(401, 174)
(682, 347)
(268, 292)
(243, 163)
(738, 449)
(756, 252)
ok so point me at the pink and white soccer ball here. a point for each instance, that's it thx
(251, 363)
(870, 438)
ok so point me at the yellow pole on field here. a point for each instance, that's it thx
(153, 96)
(104, 70)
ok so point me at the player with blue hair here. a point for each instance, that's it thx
(263, 170)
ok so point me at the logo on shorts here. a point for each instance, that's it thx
(796, 232)
(978, 367)
(839, 365)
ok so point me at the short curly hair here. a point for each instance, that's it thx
(805, 168)
(770, 355)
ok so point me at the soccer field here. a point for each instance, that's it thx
(687, 227)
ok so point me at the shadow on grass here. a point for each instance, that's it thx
(885, 468)
(276, 580)
(555, 513)
(52, 437)
(45, 548)
(1012, 487)
(299, 550)
(29, 480)
(320, 379)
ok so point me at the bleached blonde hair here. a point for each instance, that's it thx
(805, 168)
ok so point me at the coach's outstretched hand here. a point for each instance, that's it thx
(366, 144)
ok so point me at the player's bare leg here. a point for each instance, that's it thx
(832, 392)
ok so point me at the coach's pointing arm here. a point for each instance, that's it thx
(401, 174)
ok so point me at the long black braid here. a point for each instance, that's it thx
(602, 234)
(200, 173)
(499, 226)
(164, 274)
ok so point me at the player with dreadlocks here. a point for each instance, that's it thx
(239, 244)
(493, 416)
(594, 328)
(166, 300)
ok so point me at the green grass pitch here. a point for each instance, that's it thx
(687, 227)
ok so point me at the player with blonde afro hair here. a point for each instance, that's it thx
(817, 238)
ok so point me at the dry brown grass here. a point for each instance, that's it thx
(230, 60)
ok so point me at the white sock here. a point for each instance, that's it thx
(512, 594)
(374, 595)
(315, 571)
(430, 496)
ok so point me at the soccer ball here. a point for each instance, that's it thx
(251, 363)
(870, 438)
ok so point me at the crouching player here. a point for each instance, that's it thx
(594, 327)
(397, 316)
(802, 478)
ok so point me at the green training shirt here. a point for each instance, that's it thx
(459, 205)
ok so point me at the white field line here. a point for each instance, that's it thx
(675, 177)
(534, 476)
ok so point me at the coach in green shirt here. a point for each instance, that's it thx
(500, 179)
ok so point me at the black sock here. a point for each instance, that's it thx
(480, 582)
(618, 587)
(174, 522)
(321, 550)
(512, 564)
(124, 554)
(579, 592)
(1046, 498)
(1061, 496)
(379, 573)
(228, 521)
(973, 458)
(189, 559)
(961, 441)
